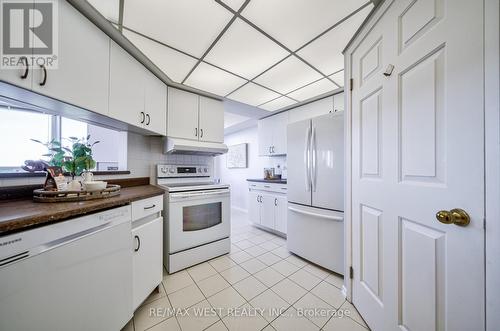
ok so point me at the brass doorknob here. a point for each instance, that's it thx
(455, 216)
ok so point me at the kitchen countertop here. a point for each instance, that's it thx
(22, 214)
(272, 181)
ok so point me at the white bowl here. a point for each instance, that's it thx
(94, 186)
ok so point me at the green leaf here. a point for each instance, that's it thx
(37, 141)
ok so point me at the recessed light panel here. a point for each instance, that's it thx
(338, 78)
(211, 79)
(253, 94)
(277, 104)
(234, 4)
(108, 8)
(321, 86)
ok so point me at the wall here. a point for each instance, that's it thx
(256, 164)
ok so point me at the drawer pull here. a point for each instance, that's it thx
(150, 207)
(138, 244)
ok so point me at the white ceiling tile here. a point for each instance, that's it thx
(338, 78)
(108, 8)
(295, 22)
(277, 104)
(245, 51)
(231, 119)
(234, 4)
(211, 79)
(288, 75)
(174, 64)
(253, 94)
(325, 53)
(190, 26)
(312, 90)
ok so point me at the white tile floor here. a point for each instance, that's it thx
(258, 286)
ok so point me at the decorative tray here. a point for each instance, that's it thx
(41, 195)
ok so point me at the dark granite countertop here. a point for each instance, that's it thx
(22, 214)
(272, 181)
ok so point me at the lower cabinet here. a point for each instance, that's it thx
(267, 205)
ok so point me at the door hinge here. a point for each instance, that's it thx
(351, 273)
(351, 84)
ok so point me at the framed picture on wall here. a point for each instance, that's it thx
(236, 156)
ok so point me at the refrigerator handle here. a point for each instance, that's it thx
(313, 159)
(307, 159)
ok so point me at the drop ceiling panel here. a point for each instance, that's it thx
(253, 94)
(190, 26)
(277, 104)
(211, 79)
(288, 75)
(338, 78)
(108, 8)
(295, 22)
(325, 53)
(234, 4)
(245, 51)
(314, 89)
(174, 64)
(231, 119)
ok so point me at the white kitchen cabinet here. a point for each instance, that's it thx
(254, 207)
(194, 117)
(267, 205)
(155, 105)
(280, 212)
(22, 76)
(267, 212)
(338, 102)
(272, 135)
(211, 120)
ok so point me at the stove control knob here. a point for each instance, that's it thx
(205, 170)
(171, 170)
(163, 170)
(199, 169)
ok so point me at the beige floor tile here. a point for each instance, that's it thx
(279, 241)
(168, 325)
(240, 257)
(244, 244)
(198, 317)
(250, 287)
(219, 326)
(268, 235)
(255, 251)
(270, 303)
(151, 314)
(156, 295)
(129, 326)
(177, 281)
(299, 262)
(269, 258)
(353, 313)
(305, 279)
(247, 320)
(342, 323)
(269, 276)
(317, 271)
(222, 263)
(269, 245)
(253, 266)
(234, 249)
(288, 290)
(329, 293)
(213, 284)
(226, 300)
(315, 309)
(186, 297)
(292, 321)
(256, 240)
(285, 268)
(234, 274)
(201, 271)
(335, 280)
(282, 252)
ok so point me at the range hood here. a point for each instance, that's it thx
(186, 146)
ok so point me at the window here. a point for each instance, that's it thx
(18, 127)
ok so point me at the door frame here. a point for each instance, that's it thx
(492, 153)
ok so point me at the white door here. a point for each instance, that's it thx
(327, 174)
(279, 133)
(211, 124)
(417, 148)
(82, 75)
(254, 207)
(267, 211)
(182, 114)
(265, 135)
(155, 105)
(298, 160)
(280, 212)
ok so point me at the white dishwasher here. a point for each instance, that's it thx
(72, 275)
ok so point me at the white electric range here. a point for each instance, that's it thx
(197, 215)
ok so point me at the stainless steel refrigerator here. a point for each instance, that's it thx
(316, 190)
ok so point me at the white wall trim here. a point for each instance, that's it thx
(492, 161)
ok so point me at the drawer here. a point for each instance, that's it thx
(268, 187)
(146, 207)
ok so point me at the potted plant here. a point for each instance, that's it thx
(80, 159)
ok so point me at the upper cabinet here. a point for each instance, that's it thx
(272, 135)
(310, 110)
(194, 117)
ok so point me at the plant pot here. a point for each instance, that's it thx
(74, 185)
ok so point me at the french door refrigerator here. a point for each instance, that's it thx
(316, 190)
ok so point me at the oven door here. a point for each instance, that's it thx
(197, 218)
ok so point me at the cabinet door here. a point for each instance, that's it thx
(338, 102)
(82, 75)
(254, 207)
(265, 136)
(211, 120)
(267, 212)
(280, 212)
(147, 259)
(280, 123)
(126, 94)
(155, 105)
(182, 114)
(15, 76)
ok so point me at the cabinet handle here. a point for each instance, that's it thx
(148, 119)
(27, 67)
(143, 117)
(201, 133)
(275, 201)
(44, 80)
(273, 149)
(150, 207)
(270, 150)
(196, 132)
(138, 243)
(258, 198)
